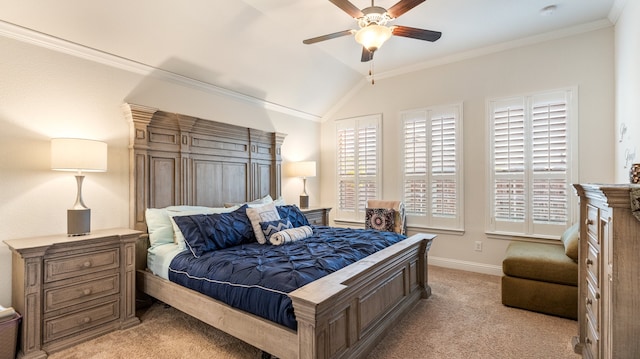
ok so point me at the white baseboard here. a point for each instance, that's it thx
(467, 266)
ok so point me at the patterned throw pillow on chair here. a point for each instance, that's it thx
(381, 219)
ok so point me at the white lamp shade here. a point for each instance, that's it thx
(373, 36)
(73, 154)
(302, 169)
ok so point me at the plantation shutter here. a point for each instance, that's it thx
(549, 160)
(432, 160)
(367, 164)
(346, 138)
(531, 169)
(415, 164)
(443, 165)
(358, 163)
(508, 135)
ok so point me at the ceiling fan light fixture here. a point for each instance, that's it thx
(373, 36)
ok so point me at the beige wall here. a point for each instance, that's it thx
(627, 55)
(45, 94)
(584, 60)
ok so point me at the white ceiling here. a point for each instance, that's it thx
(254, 47)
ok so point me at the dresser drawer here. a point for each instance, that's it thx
(593, 215)
(592, 303)
(78, 293)
(592, 263)
(592, 342)
(62, 326)
(77, 265)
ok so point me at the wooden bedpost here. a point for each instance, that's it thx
(139, 118)
(276, 180)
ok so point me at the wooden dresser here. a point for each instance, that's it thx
(317, 216)
(70, 289)
(609, 274)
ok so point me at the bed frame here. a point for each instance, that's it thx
(178, 159)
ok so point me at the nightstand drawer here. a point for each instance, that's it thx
(77, 293)
(315, 219)
(318, 216)
(65, 325)
(73, 266)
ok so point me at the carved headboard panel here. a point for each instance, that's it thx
(183, 160)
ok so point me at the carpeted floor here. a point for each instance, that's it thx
(462, 319)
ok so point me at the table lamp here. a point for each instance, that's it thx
(78, 155)
(303, 169)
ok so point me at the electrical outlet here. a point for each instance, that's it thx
(478, 246)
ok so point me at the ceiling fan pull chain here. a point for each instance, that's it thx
(373, 81)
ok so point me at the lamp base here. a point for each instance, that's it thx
(304, 201)
(78, 222)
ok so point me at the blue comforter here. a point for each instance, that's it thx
(257, 277)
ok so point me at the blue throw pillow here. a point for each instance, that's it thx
(293, 213)
(209, 232)
(271, 227)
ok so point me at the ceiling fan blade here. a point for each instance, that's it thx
(403, 6)
(366, 55)
(414, 33)
(349, 8)
(327, 37)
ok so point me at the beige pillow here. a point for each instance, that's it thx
(570, 241)
(266, 213)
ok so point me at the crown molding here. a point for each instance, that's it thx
(43, 40)
(616, 10)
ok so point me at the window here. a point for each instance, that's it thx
(358, 142)
(432, 140)
(532, 163)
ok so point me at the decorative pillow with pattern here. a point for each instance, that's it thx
(294, 214)
(381, 219)
(264, 213)
(271, 227)
(290, 235)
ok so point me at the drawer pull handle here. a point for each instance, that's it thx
(598, 296)
(588, 221)
(86, 291)
(86, 320)
(588, 262)
(589, 302)
(86, 264)
(588, 341)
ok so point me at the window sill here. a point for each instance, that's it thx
(412, 229)
(522, 237)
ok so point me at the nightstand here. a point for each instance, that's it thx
(318, 216)
(71, 289)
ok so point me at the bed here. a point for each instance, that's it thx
(183, 160)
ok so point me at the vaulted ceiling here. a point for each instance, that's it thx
(254, 47)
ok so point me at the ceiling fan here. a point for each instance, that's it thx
(373, 31)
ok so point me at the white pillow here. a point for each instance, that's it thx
(290, 235)
(255, 203)
(264, 213)
(160, 226)
(178, 237)
(280, 202)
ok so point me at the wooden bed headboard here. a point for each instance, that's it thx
(183, 160)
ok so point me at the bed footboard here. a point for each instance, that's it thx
(345, 313)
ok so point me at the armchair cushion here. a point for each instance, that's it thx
(570, 241)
